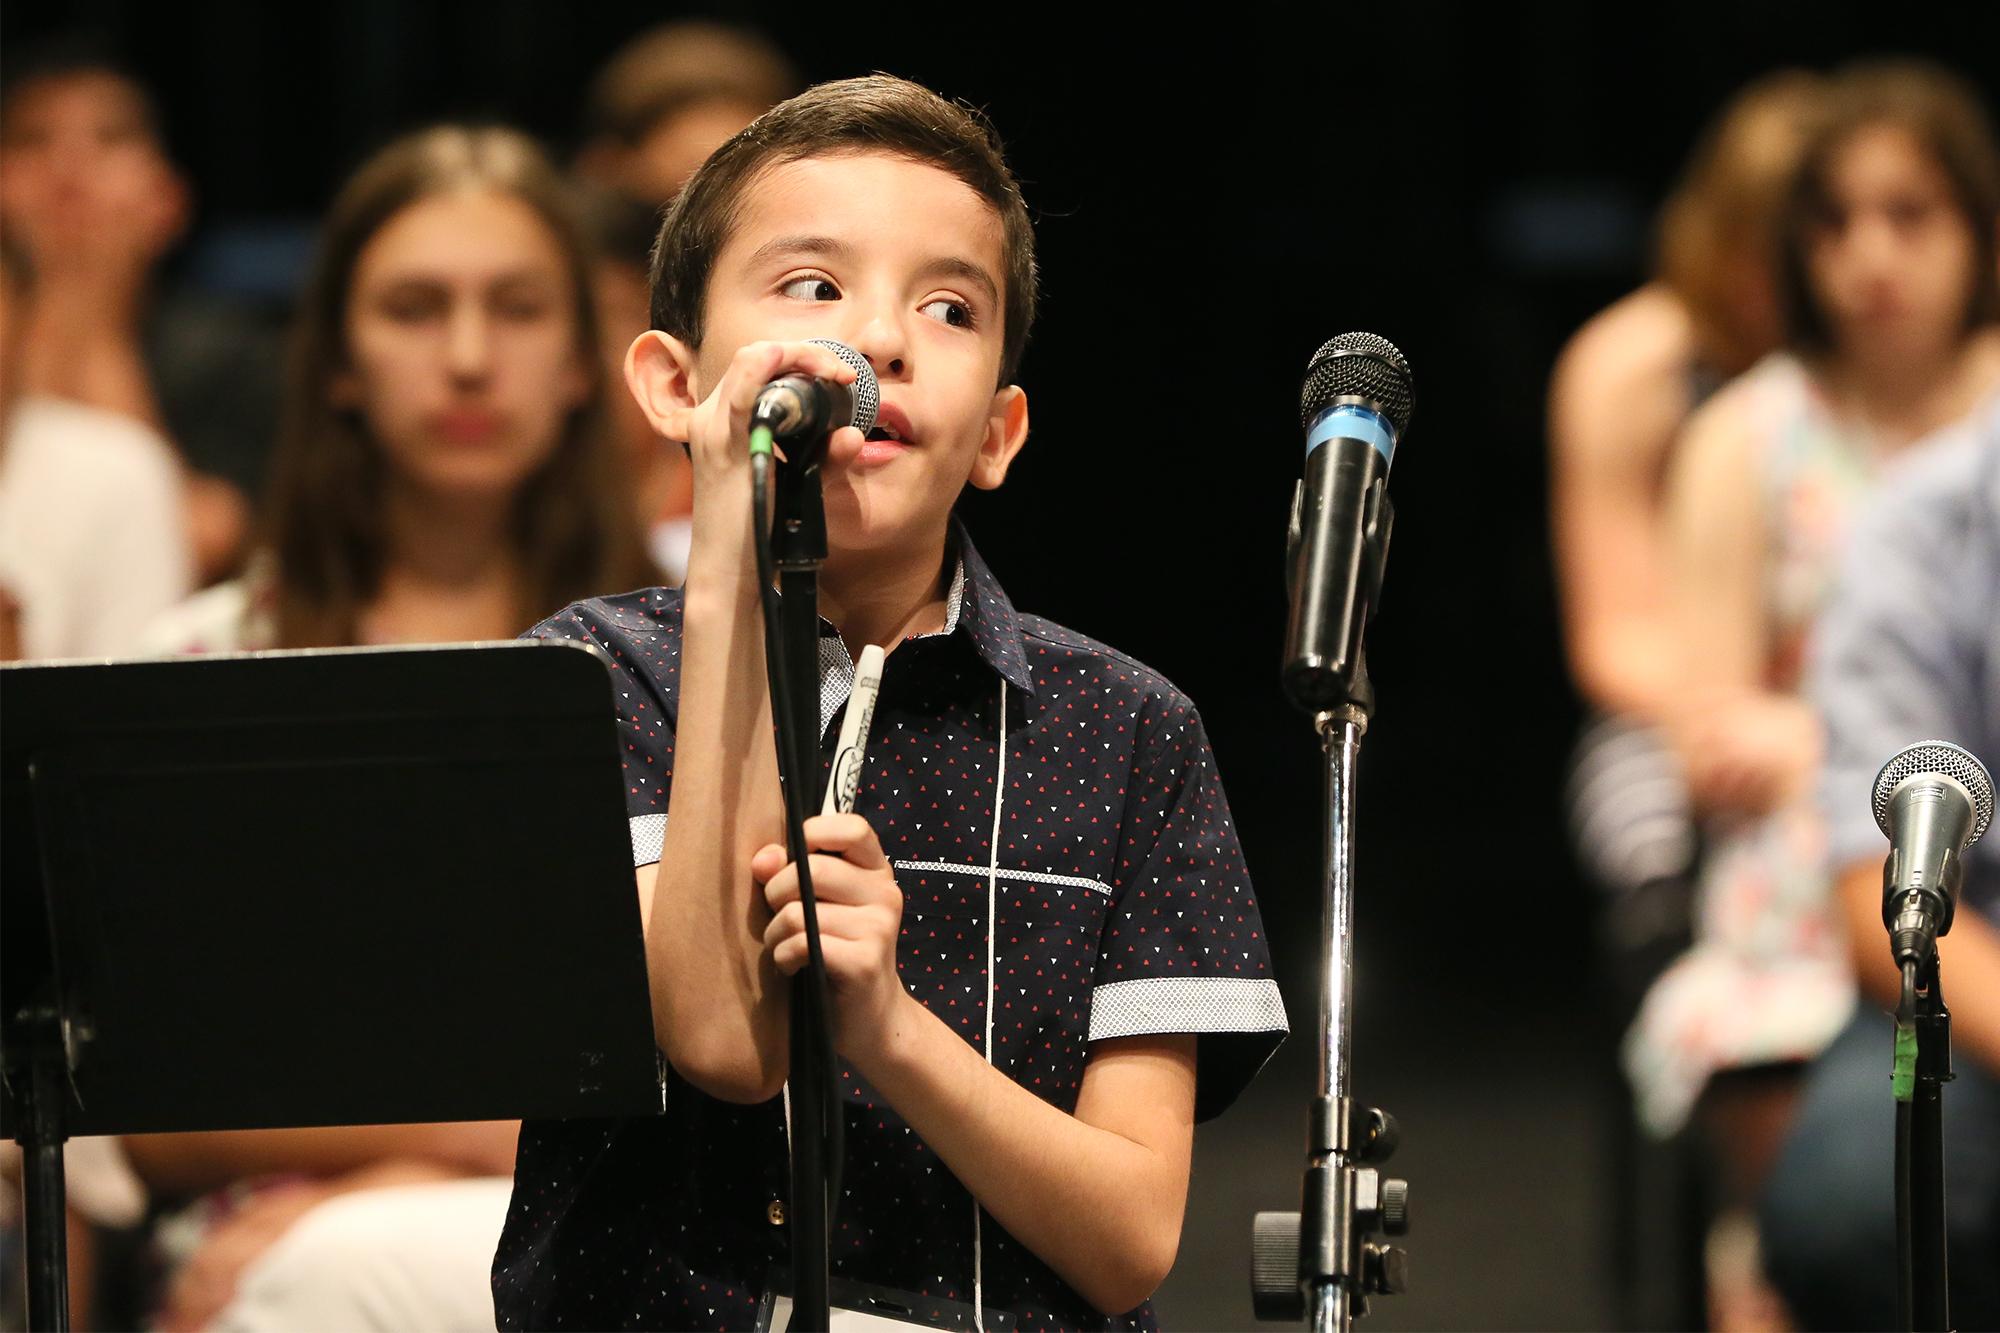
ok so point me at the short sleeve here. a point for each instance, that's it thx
(1183, 947)
(641, 633)
(1894, 660)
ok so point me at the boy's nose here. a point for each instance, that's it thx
(881, 340)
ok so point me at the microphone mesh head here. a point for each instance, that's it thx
(1358, 365)
(1944, 758)
(867, 392)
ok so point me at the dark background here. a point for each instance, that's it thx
(1218, 190)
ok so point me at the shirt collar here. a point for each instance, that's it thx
(975, 604)
(978, 605)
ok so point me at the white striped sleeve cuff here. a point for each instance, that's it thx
(648, 831)
(1185, 1004)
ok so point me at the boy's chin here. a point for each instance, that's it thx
(873, 525)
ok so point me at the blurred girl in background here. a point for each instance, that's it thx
(442, 475)
(442, 472)
(1619, 399)
(1888, 283)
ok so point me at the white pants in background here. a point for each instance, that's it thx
(402, 1259)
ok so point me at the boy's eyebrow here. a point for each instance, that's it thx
(824, 246)
(828, 247)
(951, 266)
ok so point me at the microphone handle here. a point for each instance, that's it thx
(802, 407)
(1340, 535)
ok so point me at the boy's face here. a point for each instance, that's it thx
(78, 154)
(904, 262)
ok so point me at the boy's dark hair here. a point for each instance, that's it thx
(75, 54)
(1943, 114)
(878, 114)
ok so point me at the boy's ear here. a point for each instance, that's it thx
(1006, 432)
(659, 370)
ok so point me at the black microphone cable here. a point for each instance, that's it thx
(778, 670)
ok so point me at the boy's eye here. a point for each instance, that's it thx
(948, 312)
(811, 288)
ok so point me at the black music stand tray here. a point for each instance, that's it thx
(339, 887)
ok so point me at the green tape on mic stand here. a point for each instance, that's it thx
(1903, 1075)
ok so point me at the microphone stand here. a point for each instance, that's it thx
(1320, 1263)
(1920, 1221)
(798, 548)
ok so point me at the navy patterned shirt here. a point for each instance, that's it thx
(1115, 903)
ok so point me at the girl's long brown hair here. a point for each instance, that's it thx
(1728, 206)
(574, 532)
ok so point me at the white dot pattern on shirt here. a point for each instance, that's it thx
(1118, 867)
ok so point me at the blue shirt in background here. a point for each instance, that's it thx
(1908, 648)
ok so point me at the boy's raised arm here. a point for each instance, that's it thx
(719, 1007)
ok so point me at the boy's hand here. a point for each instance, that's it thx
(860, 916)
(717, 430)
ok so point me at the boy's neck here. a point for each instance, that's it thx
(885, 597)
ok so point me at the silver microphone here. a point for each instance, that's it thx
(1933, 800)
(801, 406)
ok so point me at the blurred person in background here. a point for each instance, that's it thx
(94, 206)
(442, 471)
(1908, 651)
(442, 475)
(1621, 392)
(670, 97)
(1624, 386)
(93, 542)
(660, 106)
(1891, 296)
(1619, 398)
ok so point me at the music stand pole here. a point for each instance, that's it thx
(42, 1180)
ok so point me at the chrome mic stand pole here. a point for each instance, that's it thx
(1319, 1263)
(1340, 732)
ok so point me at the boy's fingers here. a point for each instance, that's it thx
(676, 424)
(760, 363)
(845, 958)
(848, 836)
(834, 881)
(843, 445)
(837, 921)
(767, 861)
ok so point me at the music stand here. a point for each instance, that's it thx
(331, 887)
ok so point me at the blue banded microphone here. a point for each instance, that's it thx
(802, 410)
(1355, 404)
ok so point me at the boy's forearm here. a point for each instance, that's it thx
(1100, 1209)
(718, 1006)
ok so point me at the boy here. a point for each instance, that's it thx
(1041, 903)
